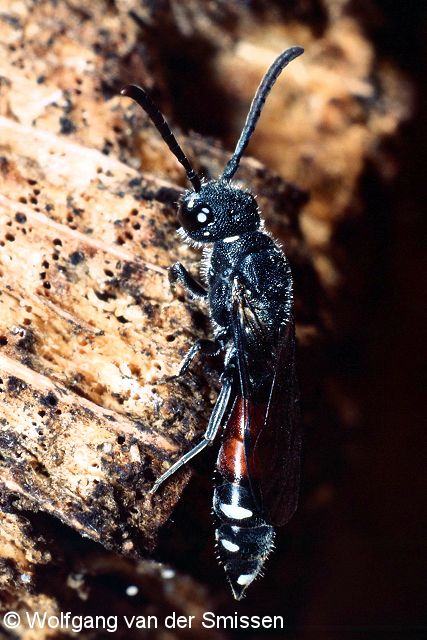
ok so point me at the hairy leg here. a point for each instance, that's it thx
(211, 431)
(178, 273)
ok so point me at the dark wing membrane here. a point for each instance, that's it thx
(272, 429)
(248, 329)
(273, 450)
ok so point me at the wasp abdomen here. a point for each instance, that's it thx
(244, 539)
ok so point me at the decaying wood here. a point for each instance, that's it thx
(34, 559)
(99, 326)
(90, 332)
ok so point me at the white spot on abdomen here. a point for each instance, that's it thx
(230, 546)
(235, 512)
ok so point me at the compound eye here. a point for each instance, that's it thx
(194, 216)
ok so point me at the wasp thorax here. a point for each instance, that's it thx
(218, 211)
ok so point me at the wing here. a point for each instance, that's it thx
(276, 445)
(248, 330)
(272, 437)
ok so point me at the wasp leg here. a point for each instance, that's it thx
(210, 433)
(178, 273)
(206, 347)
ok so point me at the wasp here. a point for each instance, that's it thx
(247, 286)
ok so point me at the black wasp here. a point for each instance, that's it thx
(248, 289)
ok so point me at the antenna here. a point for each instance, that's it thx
(256, 107)
(142, 98)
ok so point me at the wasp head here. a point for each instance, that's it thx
(217, 211)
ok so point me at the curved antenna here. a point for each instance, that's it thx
(256, 107)
(142, 98)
